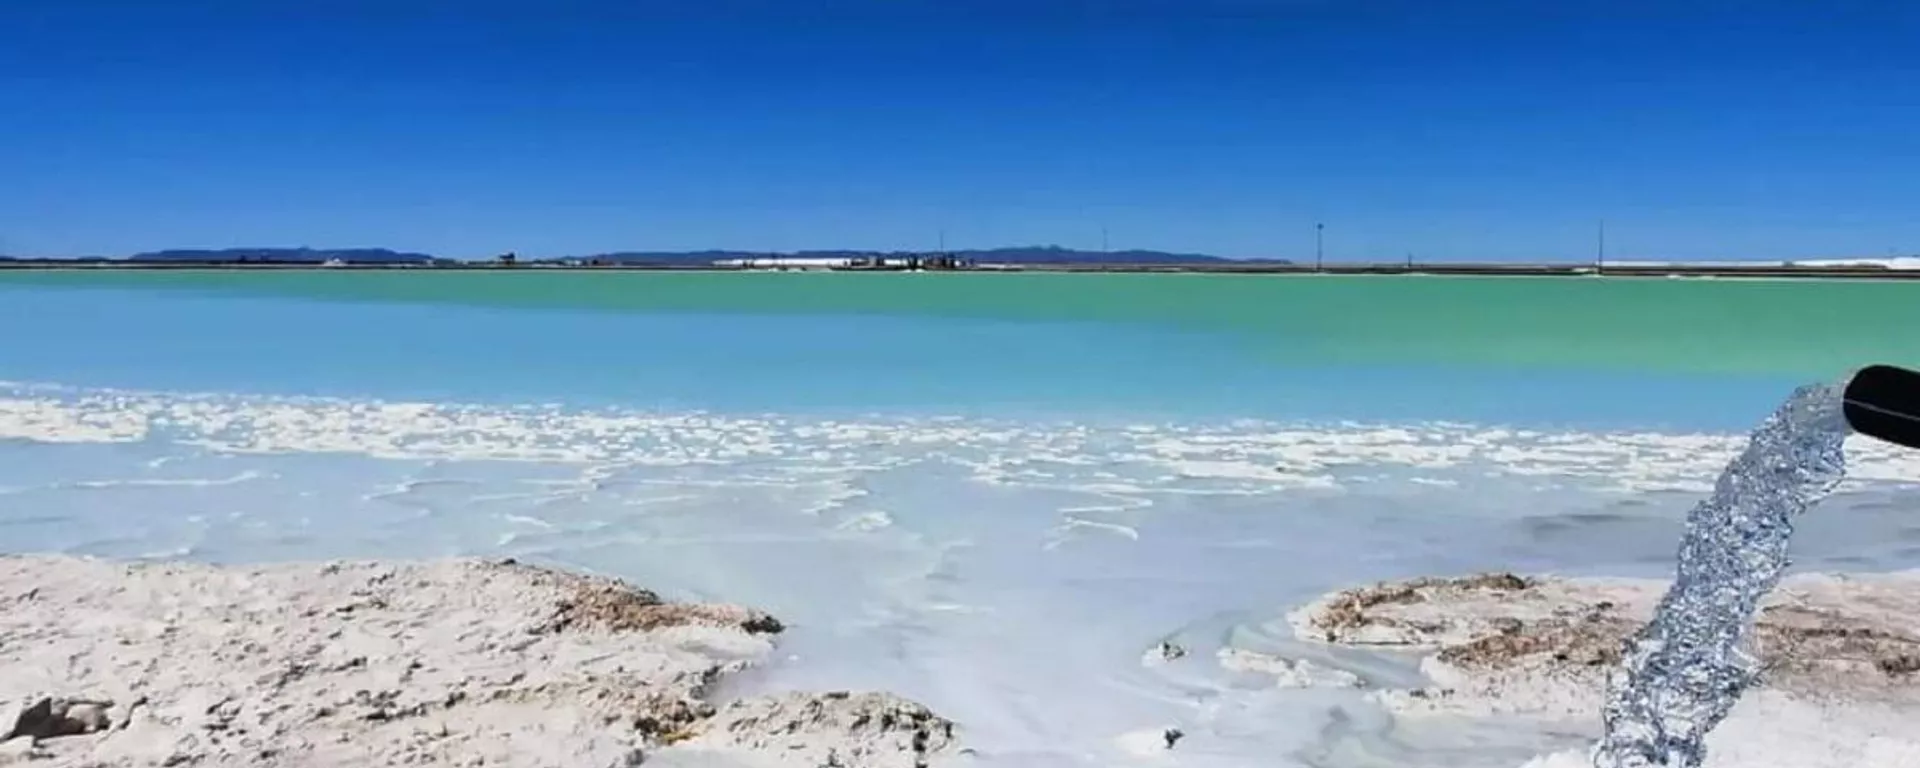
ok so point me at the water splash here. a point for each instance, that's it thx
(1684, 671)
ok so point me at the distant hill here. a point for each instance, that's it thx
(283, 256)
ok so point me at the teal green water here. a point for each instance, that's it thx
(1788, 327)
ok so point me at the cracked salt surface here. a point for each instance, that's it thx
(1009, 575)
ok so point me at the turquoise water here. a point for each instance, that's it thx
(990, 493)
(833, 360)
(1803, 328)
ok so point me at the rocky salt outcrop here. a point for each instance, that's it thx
(459, 662)
(831, 729)
(1503, 643)
(1840, 656)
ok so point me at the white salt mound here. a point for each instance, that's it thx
(1287, 673)
(459, 662)
(1840, 657)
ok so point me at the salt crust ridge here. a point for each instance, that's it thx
(1840, 653)
(455, 662)
(1248, 456)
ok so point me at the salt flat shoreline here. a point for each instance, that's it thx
(452, 662)
(494, 662)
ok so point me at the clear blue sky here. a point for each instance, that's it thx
(1455, 130)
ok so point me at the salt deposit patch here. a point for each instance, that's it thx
(1287, 673)
(367, 663)
(1840, 655)
(1240, 456)
(82, 419)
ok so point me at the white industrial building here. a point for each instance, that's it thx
(797, 262)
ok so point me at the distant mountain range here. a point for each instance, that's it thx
(285, 256)
(257, 256)
(1016, 255)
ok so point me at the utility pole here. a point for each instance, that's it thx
(1319, 247)
(1600, 248)
(1103, 240)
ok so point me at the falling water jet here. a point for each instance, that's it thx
(1682, 673)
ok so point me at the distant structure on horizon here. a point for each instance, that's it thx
(939, 261)
(849, 259)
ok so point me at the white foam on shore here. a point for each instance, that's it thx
(82, 419)
(1241, 456)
